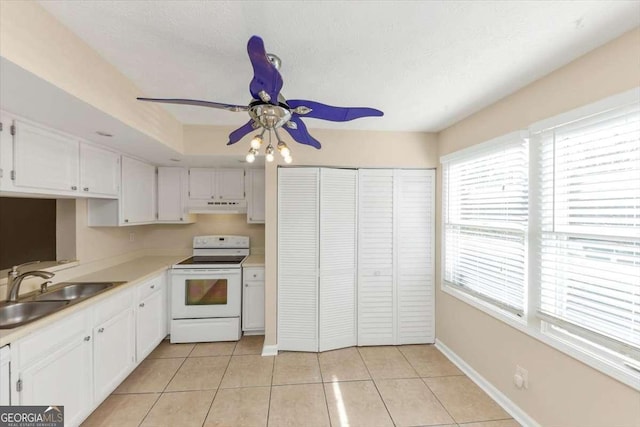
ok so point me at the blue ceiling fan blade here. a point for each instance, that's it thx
(301, 134)
(265, 76)
(237, 134)
(334, 114)
(210, 104)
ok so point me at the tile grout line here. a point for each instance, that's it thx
(324, 390)
(168, 382)
(428, 388)
(273, 368)
(376, 386)
(219, 384)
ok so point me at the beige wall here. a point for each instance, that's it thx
(33, 39)
(563, 391)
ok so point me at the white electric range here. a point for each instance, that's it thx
(206, 290)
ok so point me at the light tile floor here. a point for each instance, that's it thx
(231, 385)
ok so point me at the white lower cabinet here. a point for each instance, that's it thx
(5, 382)
(76, 362)
(54, 367)
(253, 299)
(151, 324)
(114, 352)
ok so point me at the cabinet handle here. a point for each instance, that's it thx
(255, 275)
(87, 338)
(126, 220)
(213, 197)
(141, 304)
(153, 286)
(246, 285)
(73, 187)
(86, 188)
(180, 219)
(101, 330)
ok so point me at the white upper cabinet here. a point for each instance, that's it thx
(99, 171)
(137, 203)
(255, 196)
(44, 159)
(172, 195)
(230, 184)
(219, 184)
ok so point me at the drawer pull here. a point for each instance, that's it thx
(86, 188)
(141, 304)
(101, 330)
(87, 338)
(73, 187)
(153, 286)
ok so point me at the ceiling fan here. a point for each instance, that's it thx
(269, 110)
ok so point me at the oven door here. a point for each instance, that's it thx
(205, 293)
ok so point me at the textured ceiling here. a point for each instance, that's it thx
(425, 64)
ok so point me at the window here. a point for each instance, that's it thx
(552, 234)
(589, 215)
(486, 216)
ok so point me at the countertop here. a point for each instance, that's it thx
(132, 272)
(252, 260)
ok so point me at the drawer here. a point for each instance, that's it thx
(110, 307)
(38, 344)
(150, 286)
(253, 273)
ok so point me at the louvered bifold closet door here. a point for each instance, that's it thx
(298, 197)
(338, 212)
(376, 314)
(415, 264)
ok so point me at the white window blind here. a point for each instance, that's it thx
(589, 249)
(485, 202)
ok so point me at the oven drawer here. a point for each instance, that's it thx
(205, 330)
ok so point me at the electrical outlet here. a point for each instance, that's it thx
(521, 378)
(132, 237)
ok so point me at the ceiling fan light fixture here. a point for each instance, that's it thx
(256, 142)
(283, 149)
(269, 153)
(251, 155)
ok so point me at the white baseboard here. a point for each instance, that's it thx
(270, 350)
(507, 404)
(253, 332)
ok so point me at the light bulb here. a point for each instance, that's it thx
(251, 156)
(283, 149)
(288, 159)
(269, 153)
(256, 142)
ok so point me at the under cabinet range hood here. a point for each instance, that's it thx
(217, 206)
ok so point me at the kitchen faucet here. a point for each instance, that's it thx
(15, 279)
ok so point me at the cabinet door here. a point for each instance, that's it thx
(253, 306)
(44, 159)
(376, 291)
(338, 214)
(99, 171)
(230, 184)
(113, 353)
(201, 183)
(150, 324)
(298, 196)
(138, 191)
(415, 266)
(63, 377)
(255, 204)
(170, 194)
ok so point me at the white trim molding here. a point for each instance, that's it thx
(501, 399)
(270, 350)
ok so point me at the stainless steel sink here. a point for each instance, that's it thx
(73, 291)
(14, 314)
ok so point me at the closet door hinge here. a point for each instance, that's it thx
(13, 129)
(13, 175)
(19, 385)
